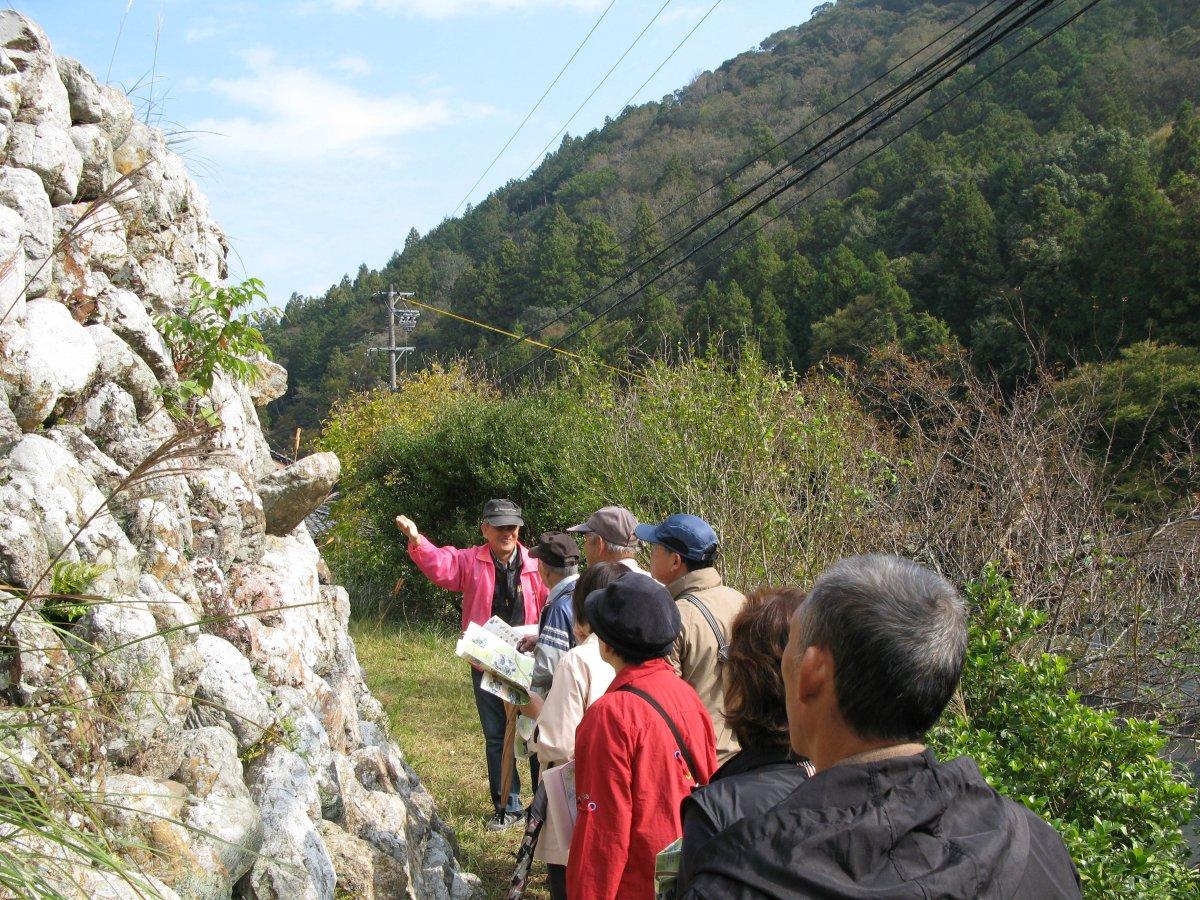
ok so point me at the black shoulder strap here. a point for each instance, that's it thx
(722, 643)
(687, 756)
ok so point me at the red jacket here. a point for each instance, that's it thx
(630, 781)
(472, 572)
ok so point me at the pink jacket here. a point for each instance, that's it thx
(472, 573)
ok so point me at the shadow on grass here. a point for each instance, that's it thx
(426, 691)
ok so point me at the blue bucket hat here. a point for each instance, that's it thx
(689, 536)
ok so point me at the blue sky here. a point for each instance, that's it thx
(323, 130)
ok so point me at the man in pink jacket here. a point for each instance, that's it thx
(496, 578)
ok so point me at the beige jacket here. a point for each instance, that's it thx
(694, 655)
(580, 677)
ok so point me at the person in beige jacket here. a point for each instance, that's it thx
(580, 677)
(682, 551)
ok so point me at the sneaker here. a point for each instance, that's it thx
(502, 821)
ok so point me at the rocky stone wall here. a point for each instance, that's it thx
(210, 694)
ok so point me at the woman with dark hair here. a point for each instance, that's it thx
(579, 678)
(764, 772)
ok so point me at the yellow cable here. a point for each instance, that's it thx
(559, 350)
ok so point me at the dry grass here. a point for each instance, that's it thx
(427, 693)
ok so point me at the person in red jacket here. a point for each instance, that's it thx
(640, 748)
(496, 578)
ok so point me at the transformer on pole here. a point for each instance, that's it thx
(404, 318)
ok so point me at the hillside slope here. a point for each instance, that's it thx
(1058, 200)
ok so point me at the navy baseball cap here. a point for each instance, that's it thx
(689, 536)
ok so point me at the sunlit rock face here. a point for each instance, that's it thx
(207, 688)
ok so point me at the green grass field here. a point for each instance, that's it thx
(427, 693)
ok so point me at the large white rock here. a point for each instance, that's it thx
(294, 863)
(271, 383)
(221, 811)
(83, 92)
(153, 812)
(116, 114)
(155, 279)
(23, 556)
(133, 671)
(240, 431)
(228, 686)
(378, 817)
(227, 516)
(98, 170)
(291, 493)
(120, 365)
(305, 636)
(171, 611)
(48, 486)
(100, 467)
(22, 191)
(158, 174)
(109, 417)
(125, 314)
(43, 95)
(312, 744)
(48, 150)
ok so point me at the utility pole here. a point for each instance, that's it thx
(404, 317)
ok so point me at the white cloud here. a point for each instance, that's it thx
(354, 66)
(204, 29)
(445, 9)
(295, 114)
(687, 14)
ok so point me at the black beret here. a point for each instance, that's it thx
(635, 616)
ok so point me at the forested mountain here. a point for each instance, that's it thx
(1055, 206)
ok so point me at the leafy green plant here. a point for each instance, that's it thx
(210, 338)
(280, 733)
(67, 601)
(1099, 779)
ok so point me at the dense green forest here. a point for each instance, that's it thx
(1050, 217)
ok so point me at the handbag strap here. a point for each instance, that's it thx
(687, 756)
(722, 643)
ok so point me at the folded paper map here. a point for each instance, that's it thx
(493, 647)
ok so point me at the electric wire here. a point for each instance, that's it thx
(671, 54)
(599, 85)
(908, 91)
(635, 268)
(741, 241)
(484, 325)
(791, 182)
(512, 137)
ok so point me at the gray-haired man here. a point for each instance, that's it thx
(608, 536)
(873, 657)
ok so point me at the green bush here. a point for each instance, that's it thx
(1099, 779)
(677, 440)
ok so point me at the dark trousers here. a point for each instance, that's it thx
(492, 718)
(557, 876)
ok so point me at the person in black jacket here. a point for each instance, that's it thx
(765, 770)
(873, 656)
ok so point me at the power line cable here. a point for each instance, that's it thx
(947, 57)
(599, 85)
(635, 268)
(883, 146)
(671, 54)
(484, 325)
(969, 56)
(534, 108)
